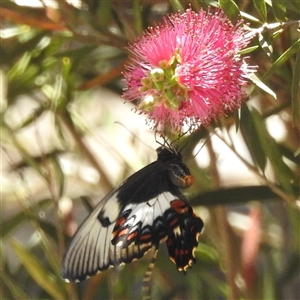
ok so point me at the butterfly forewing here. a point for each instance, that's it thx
(143, 211)
(90, 248)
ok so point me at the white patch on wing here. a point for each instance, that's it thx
(112, 208)
(152, 201)
(147, 212)
(177, 230)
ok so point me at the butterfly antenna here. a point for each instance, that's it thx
(147, 280)
(164, 139)
(200, 148)
(183, 146)
(177, 141)
(142, 142)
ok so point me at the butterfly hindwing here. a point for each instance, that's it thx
(183, 239)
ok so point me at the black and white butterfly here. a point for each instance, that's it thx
(145, 210)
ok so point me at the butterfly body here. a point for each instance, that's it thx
(145, 210)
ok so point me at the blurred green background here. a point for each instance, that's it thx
(63, 149)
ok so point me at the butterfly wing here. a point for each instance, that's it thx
(143, 211)
(90, 248)
(183, 239)
(101, 243)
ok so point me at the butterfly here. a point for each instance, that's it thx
(145, 210)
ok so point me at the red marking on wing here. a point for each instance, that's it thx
(145, 237)
(181, 246)
(120, 222)
(179, 206)
(123, 232)
(132, 236)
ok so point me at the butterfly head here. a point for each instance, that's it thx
(178, 172)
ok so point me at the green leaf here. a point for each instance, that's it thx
(43, 278)
(261, 8)
(137, 15)
(269, 279)
(261, 85)
(248, 50)
(250, 17)
(265, 41)
(282, 59)
(283, 174)
(279, 10)
(13, 286)
(251, 138)
(104, 11)
(294, 5)
(230, 8)
(295, 90)
(177, 5)
(60, 176)
(207, 255)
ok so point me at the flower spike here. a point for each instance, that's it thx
(188, 71)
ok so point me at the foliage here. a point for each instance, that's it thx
(59, 142)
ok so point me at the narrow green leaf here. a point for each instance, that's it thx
(261, 85)
(51, 256)
(20, 67)
(177, 5)
(207, 255)
(250, 17)
(279, 10)
(248, 50)
(13, 286)
(294, 6)
(237, 119)
(282, 59)
(104, 11)
(49, 229)
(283, 174)
(60, 175)
(261, 8)
(230, 8)
(265, 41)
(295, 90)
(137, 15)
(251, 138)
(43, 278)
(269, 279)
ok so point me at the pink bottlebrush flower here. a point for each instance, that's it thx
(188, 70)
